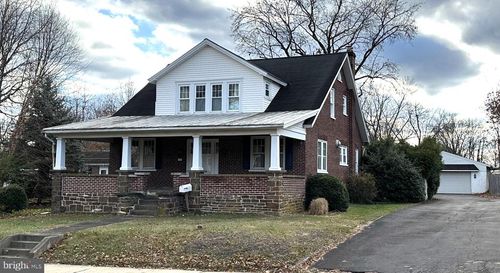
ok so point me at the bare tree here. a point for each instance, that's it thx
(271, 28)
(493, 111)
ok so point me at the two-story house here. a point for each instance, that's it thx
(244, 133)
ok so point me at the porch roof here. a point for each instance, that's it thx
(278, 120)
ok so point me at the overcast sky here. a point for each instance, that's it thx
(455, 59)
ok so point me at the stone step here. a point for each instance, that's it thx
(144, 212)
(23, 244)
(145, 207)
(148, 201)
(29, 237)
(17, 252)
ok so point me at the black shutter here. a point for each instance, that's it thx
(246, 153)
(289, 154)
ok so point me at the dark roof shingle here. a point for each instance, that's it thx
(308, 79)
(142, 104)
(460, 167)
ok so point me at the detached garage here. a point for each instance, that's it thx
(461, 175)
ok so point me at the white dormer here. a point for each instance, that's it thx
(210, 79)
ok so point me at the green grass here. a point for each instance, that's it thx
(33, 221)
(214, 241)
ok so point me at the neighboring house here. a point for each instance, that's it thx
(462, 175)
(244, 133)
(96, 162)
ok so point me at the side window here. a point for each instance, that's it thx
(343, 155)
(322, 156)
(184, 98)
(267, 91)
(332, 103)
(258, 149)
(344, 105)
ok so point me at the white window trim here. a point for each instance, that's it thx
(105, 169)
(324, 169)
(339, 78)
(267, 153)
(356, 161)
(141, 155)
(208, 96)
(267, 88)
(344, 105)
(344, 149)
(210, 103)
(332, 103)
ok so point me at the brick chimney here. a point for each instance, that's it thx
(352, 58)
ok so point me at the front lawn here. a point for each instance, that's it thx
(214, 241)
(34, 221)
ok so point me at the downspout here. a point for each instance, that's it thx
(52, 153)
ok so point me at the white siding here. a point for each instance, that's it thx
(479, 184)
(209, 65)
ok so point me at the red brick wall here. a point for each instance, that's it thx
(341, 128)
(233, 184)
(90, 184)
(137, 183)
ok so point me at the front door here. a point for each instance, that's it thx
(210, 155)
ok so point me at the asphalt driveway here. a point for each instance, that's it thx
(452, 234)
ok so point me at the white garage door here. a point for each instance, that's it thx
(455, 182)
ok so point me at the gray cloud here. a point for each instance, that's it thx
(431, 63)
(106, 69)
(479, 19)
(201, 18)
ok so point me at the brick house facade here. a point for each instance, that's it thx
(253, 160)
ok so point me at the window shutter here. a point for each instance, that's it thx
(246, 153)
(289, 154)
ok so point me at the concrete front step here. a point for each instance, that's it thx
(29, 237)
(23, 244)
(144, 212)
(17, 252)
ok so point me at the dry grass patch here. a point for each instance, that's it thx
(223, 243)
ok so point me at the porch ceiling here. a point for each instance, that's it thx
(185, 122)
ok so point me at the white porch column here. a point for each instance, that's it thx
(197, 154)
(60, 164)
(126, 154)
(275, 153)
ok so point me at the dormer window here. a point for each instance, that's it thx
(267, 91)
(184, 98)
(234, 97)
(200, 98)
(217, 97)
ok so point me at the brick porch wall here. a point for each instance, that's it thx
(96, 193)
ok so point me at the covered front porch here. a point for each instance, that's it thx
(256, 169)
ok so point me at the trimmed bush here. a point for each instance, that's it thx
(362, 188)
(427, 159)
(330, 188)
(12, 198)
(396, 177)
(319, 206)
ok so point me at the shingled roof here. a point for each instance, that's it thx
(308, 80)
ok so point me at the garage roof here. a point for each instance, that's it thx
(460, 167)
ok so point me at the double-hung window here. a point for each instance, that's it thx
(143, 153)
(332, 103)
(233, 97)
(200, 98)
(322, 156)
(344, 105)
(258, 159)
(217, 97)
(184, 98)
(343, 155)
